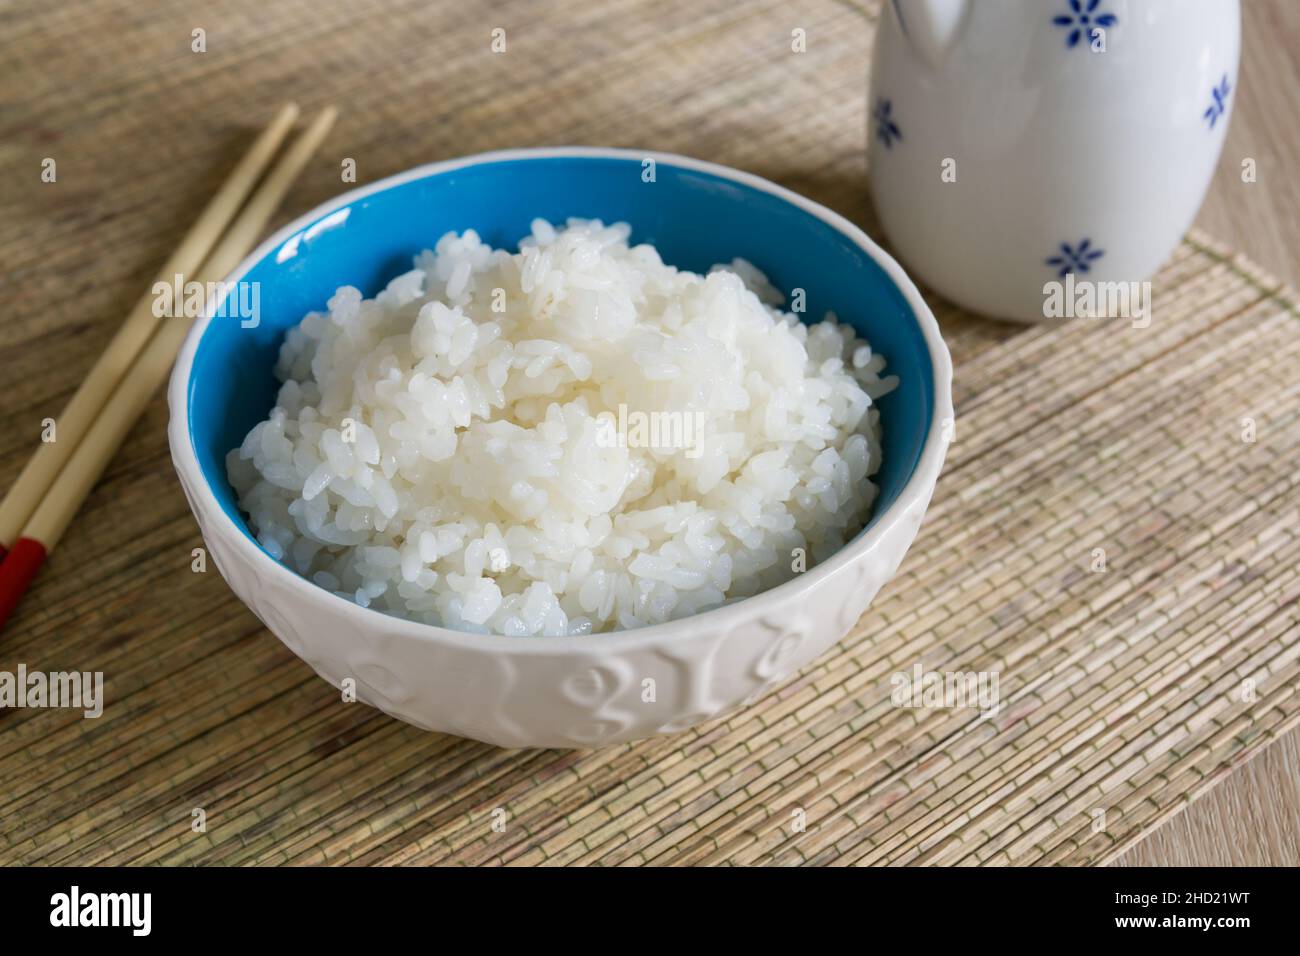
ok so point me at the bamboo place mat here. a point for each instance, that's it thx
(1126, 692)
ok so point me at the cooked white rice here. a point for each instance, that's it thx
(436, 452)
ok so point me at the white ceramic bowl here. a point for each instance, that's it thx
(568, 691)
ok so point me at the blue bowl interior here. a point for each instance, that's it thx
(695, 219)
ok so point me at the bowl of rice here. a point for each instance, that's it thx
(562, 447)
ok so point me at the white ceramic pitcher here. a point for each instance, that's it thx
(1017, 142)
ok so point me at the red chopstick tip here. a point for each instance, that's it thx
(17, 571)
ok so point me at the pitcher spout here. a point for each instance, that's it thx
(931, 26)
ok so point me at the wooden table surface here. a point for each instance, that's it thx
(1252, 818)
(98, 237)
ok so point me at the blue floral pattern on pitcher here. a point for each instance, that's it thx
(1075, 258)
(1084, 20)
(1219, 102)
(886, 129)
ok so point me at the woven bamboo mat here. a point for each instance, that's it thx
(1126, 692)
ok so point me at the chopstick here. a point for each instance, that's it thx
(71, 424)
(43, 530)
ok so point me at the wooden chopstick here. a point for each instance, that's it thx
(43, 530)
(71, 424)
